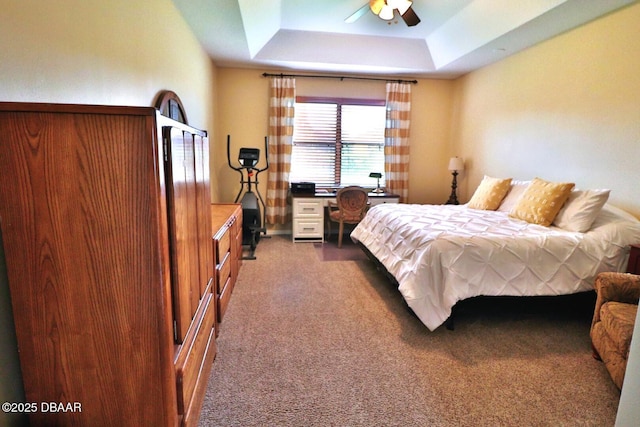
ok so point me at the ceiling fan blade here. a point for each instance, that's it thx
(357, 14)
(410, 17)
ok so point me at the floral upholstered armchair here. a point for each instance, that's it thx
(613, 321)
(350, 207)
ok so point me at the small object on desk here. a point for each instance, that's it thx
(376, 175)
(303, 188)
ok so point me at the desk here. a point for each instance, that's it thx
(308, 213)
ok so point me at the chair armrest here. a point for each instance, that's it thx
(621, 287)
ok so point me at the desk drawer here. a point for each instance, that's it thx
(308, 208)
(308, 228)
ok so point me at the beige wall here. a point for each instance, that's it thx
(244, 96)
(564, 110)
(117, 52)
(567, 109)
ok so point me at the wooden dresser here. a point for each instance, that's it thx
(226, 222)
(105, 216)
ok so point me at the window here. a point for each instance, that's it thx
(338, 142)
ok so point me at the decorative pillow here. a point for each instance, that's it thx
(489, 193)
(581, 209)
(541, 201)
(514, 194)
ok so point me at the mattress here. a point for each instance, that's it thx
(442, 254)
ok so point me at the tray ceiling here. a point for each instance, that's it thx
(453, 37)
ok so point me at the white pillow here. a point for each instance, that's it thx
(581, 209)
(512, 197)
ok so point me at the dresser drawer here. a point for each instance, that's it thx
(308, 208)
(195, 357)
(223, 271)
(223, 244)
(223, 299)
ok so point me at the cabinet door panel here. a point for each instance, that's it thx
(79, 229)
(183, 223)
(201, 145)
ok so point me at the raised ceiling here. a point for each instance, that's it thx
(453, 37)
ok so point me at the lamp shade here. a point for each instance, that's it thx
(401, 5)
(456, 164)
(376, 6)
(386, 13)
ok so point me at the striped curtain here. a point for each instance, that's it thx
(282, 98)
(396, 139)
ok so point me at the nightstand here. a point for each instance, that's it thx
(634, 260)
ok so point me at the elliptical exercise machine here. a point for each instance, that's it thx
(253, 221)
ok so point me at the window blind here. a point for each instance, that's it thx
(338, 143)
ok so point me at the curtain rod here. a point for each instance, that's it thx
(415, 82)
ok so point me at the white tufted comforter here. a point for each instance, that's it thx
(441, 254)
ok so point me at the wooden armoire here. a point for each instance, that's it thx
(106, 221)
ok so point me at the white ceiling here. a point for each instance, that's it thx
(453, 37)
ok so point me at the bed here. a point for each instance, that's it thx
(442, 254)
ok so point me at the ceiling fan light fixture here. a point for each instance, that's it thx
(376, 6)
(386, 13)
(385, 10)
(401, 5)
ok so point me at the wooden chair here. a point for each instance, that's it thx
(350, 207)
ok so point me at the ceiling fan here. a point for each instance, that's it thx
(385, 9)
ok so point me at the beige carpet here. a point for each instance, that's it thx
(329, 251)
(307, 342)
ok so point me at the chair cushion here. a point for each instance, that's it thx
(345, 216)
(618, 319)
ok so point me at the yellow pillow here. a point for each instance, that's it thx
(489, 193)
(541, 201)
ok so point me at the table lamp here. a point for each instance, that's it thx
(455, 164)
(376, 175)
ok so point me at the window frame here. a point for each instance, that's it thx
(339, 101)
